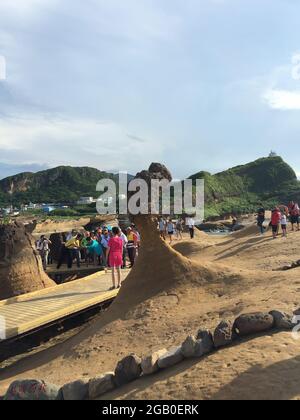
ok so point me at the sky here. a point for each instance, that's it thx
(114, 84)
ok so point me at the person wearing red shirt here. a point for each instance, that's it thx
(115, 256)
(275, 221)
(294, 215)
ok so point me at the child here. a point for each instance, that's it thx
(275, 221)
(284, 225)
(115, 255)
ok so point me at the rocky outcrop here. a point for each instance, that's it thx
(21, 269)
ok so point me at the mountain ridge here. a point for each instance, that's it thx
(265, 181)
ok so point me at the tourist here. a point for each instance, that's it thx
(115, 250)
(179, 229)
(162, 228)
(190, 222)
(170, 230)
(84, 244)
(105, 237)
(294, 212)
(283, 223)
(68, 251)
(138, 236)
(261, 217)
(43, 248)
(95, 250)
(125, 241)
(275, 221)
(131, 245)
(73, 247)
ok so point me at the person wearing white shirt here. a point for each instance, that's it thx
(190, 222)
(125, 242)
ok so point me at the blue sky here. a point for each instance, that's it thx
(116, 84)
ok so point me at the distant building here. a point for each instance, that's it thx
(272, 154)
(48, 208)
(85, 201)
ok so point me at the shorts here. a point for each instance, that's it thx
(171, 232)
(294, 219)
(284, 227)
(275, 228)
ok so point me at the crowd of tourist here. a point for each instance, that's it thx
(280, 218)
(169, 228)
(105, 246)
(111, 247)
(108, 246)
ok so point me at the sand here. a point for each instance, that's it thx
(166, 299)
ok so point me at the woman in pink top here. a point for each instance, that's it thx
(115, 251)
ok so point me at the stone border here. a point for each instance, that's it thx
(133, 367)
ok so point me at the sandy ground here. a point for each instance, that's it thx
(237, 277)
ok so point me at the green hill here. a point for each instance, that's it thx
(267, 181)
(62, 184)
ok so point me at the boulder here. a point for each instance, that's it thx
(76, 391)
(101, 385)
(224, 334)
(282, 320)
(205, 342)
(150, 363)
(128, 369)
(188, 347)
(249, 324)
(32, 390)
(171, 358)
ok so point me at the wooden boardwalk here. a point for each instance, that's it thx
(32, 311)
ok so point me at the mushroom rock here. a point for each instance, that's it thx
(21, 269)
(158, 268)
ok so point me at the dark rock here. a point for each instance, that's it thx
(75, 391)
(224, 334)
(32, 390)
(282, 320)
(128, 369)
(188, 347)
(248, 324)
(101, 385)
(205, 341)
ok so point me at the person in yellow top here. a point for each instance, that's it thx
(74, 243)
(70, 251)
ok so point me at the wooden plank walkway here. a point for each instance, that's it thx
(29, 312)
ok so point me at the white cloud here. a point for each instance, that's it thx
(283, 99)
(83, 142)
(283, 92)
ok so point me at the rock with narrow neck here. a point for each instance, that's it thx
(21, 269)
(158, 268)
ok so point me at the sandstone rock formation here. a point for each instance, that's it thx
(159, 268)
(21, 268)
